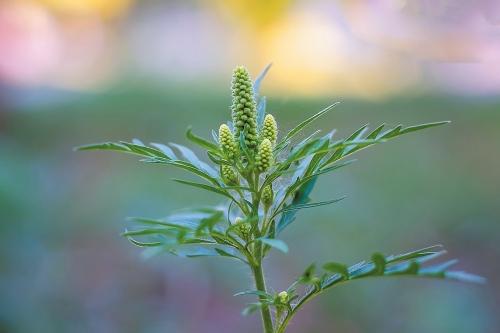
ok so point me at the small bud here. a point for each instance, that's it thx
(228, 175)
(264, 158)
(226, 141)
(283, 297)
(267, 196)
(269, 129)
(242, 228)
(244, 110)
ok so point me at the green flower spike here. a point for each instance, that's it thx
(267, 196)
(228, 175)
(244, 110)
(264, 158)
(226, 141)
(269, 129)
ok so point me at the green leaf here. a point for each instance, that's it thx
(276, 243)
(204, 187)
(149, 221)
(379, 261)
(311, 205)
(306, 122)
(193, 159)
(251, 308)
(422, 126)
(224, 253)
(254, 292)
(165, 149)
(144, 244)
(336, 267)
(426, 251)
(407, 264)
(308, 274)
(201, 141)
(126, 148)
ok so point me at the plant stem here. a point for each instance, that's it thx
(260, 285)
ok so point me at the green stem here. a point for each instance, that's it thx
(260, 285)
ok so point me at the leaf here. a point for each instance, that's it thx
(210, 221)
(379, 261)
(306, 122)
(464, 277)
(254, 292)
(415, 254)
(125, 147)
(407, 264)
(336, 267)
(201, 142)
(204, 187)
(422, 126)
(311, 205)
(276, 243)
(224, 253)
(144, 244)
(308, 274)
(251, 308)
(375, 132)
(165, 149)
(193, 159)
(258, 80)
(148, 221)
(301, 196)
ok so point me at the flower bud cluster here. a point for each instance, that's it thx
(244, 110)
(226, 141)
(267, 196)
(228, 174)
(283, 297)
(269, 129)
(243, 228)
(264, 158)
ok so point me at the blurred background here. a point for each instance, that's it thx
(82, 71)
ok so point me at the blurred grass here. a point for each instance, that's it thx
(65, 269)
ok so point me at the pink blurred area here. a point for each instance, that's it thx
(355, 48)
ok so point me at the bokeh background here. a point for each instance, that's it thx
(82, 71)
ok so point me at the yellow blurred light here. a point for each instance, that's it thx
(314, 56)
(102, 8)
(255, 13)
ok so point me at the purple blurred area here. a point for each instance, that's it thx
(81, 71)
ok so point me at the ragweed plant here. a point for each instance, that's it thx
(265, 182)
